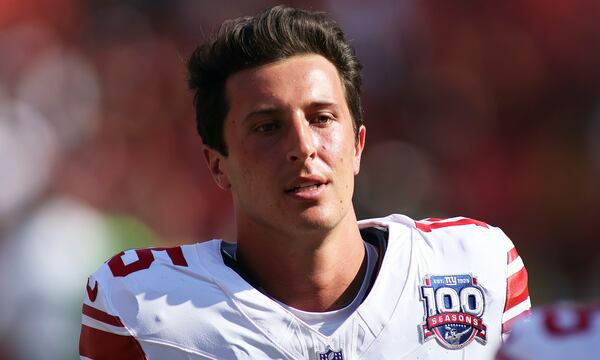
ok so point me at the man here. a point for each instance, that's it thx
(558, 331)
(278, 109)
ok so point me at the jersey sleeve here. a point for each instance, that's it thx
(103, 333)
(518, 303)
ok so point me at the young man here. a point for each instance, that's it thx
(278, 109)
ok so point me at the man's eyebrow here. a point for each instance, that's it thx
(263, 112)
(323, 104)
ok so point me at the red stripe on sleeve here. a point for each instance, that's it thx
(438, 225)
(512, 255)
(516, 289)
(435, 219)
(102, 316)
(100, 345)
(423, 227)
(506, 326)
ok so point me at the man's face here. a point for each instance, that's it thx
(293, 153)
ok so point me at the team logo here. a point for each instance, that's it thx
(454, 305)
(331, 355)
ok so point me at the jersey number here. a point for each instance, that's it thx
(145, 259)
(446, 299)
(582, 322)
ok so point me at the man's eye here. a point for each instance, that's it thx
(266, 127)
(322, 119)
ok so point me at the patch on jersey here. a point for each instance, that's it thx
(331, 355)
(454, 305)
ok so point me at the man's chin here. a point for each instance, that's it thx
(318, 219)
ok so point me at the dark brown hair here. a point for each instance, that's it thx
(275, 34)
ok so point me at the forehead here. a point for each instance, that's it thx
(296, 81)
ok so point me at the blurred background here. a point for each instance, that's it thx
(489, 110)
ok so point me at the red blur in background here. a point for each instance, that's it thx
(482, 109)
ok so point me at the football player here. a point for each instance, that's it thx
(561, 331)
(278, 109)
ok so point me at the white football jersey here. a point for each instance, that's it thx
(562, 331)
(444, 288)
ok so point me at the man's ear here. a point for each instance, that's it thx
(358, 148)
(214, 161)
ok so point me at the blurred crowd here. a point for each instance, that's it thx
(489, 110)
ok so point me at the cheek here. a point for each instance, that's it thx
(339, 148)
(252, 174)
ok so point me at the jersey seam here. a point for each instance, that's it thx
(399, 296)
(217, 249)
(259, 328)
(110, 306)
(178, 346)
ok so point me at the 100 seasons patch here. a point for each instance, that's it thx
(454, 305)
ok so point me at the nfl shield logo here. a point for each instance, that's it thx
(331, 355)
(453, 305)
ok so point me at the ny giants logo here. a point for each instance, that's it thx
(331, 355)
(454, 305)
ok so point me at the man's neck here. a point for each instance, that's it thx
(310, 271)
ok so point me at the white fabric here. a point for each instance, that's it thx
(206, 310)
(573, 333)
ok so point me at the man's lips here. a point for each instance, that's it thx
(302, 188)
(306, 184)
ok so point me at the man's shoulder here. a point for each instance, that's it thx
(143, 269)
(447, 237)
(168, 299)
(453, 227)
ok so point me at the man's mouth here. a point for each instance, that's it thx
(307, 187)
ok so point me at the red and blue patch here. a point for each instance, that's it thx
(454, 306)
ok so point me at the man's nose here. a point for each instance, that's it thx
(301, 141)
